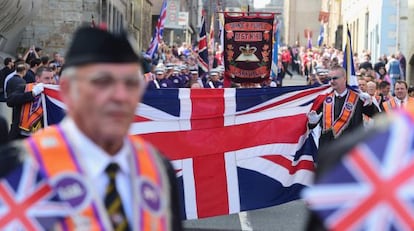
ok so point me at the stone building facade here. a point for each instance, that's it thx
(53, 25)
(298, 16)
(381, 27)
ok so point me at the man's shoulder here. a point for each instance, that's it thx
(15, 79)
(11, 156)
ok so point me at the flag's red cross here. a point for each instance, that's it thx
(18, 210)
(384, 191)
(209, 133)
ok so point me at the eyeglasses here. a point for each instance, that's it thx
(334, 77)
(104, 79)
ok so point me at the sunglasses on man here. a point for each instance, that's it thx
(334, 77)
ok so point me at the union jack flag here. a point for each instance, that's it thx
(225, 142)
(371, 188)
(202, 49)
(159, 31)
(28, 202)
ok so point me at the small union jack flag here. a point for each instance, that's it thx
(159, 31)
(202, 49)
(371, 188)
(28, 202)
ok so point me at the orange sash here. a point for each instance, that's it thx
(341, 123)
(31, 114)
(59, 162)
(389, 105)
(392, 104)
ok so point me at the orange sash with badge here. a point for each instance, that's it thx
(31, 113)
(341, 123)
(389, 105)
(57, 159)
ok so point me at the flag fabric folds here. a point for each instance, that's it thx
(159, 31)
(365, 181)
(321, 35)
(211, 46)
(276, 43)
(348, 63)
(221, 33)
(29, 202)
(224, 142)
(203, 62)
(309, 37)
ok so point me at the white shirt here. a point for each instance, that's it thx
(399, 101)
(342, 94)
(8, 77)
(94, 160)
(376, 103)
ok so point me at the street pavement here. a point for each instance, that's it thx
(294, 81)
(291, 216)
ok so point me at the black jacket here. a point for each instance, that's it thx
(16, 97)
(355, 122)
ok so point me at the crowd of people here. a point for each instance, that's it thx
(21, 83)
(176, 67)
(381, 88)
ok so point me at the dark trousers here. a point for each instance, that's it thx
(285, 66)
(14, 133)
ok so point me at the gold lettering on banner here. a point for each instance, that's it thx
(248, 36)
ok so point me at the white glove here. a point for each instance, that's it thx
(37, 89)
(366, 98)
(314, 117)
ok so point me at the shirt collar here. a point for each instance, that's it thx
(342, 94)
(91, 152)
(400, 100)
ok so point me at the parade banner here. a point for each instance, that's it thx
(248, 47)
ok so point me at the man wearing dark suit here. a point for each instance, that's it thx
(17, 96)
(341, 111)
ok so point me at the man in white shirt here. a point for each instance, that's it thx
(372, 91)
(342, 110)
(401, 98)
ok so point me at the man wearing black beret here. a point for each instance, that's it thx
(106, 179)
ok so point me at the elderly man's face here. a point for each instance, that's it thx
(371, 89)
(102, 99)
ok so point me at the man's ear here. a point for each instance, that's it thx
(64, 86)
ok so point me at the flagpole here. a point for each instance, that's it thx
(43, 98)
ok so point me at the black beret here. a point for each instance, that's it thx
(95, 45)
